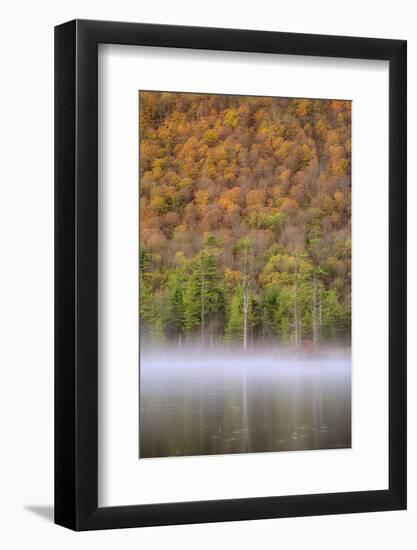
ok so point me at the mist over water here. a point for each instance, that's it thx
(216, 403)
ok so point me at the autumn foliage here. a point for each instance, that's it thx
(245, 219)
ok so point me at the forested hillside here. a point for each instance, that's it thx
(245, 220)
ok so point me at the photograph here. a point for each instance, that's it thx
(244, 274)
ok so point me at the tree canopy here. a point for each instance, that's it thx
(245, 219)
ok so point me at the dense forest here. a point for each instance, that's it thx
(245, 220)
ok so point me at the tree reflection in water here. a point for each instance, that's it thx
(217, 405)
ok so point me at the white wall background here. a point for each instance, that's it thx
(26, 272)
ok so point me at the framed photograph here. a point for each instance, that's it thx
(230, 248)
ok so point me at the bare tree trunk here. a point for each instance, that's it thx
(320, 310)
(245, 328)
(245, 303)
(296, 309)
(202, 305)
(314, 312)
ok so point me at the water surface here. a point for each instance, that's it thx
(202, 405)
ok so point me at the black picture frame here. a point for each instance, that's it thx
(76, 273)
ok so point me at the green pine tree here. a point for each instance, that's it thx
(234, 327)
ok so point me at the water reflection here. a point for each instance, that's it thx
(204, 406)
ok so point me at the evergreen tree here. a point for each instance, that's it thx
(146, 294)
(204, 300)
(156, 328)
(234, 327)
(175, 315)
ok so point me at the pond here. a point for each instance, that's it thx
(207, 405)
